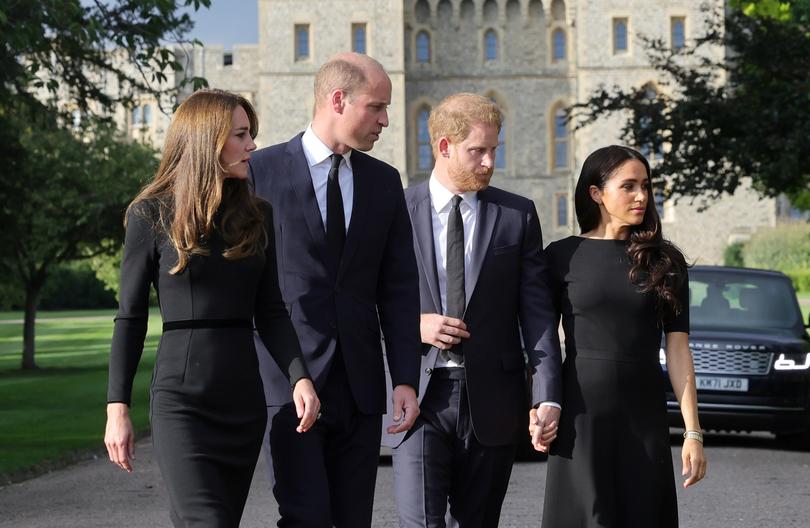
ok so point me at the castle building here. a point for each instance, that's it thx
(533, 57)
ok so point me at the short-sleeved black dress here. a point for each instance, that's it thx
(611, 464)
(207, 404)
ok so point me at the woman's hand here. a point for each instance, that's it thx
(307, 404)
(694, 461)
(119, 437)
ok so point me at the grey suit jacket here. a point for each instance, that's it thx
(509, 314)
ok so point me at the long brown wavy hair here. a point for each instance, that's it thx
(656, 264)
(190, 188)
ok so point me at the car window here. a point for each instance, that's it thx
(739, 300)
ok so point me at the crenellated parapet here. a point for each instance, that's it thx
(438, 14)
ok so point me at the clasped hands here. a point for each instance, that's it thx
(543, 425)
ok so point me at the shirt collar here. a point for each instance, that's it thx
(316, 151)
(440, 196)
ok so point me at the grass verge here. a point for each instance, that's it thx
(56, 414)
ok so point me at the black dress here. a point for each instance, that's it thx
(611, 464)
(208, 410)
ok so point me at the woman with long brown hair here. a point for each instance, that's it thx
(198, 234)
(618, 286)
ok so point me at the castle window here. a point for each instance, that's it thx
(677, 32)
(423, 147)
(301, 42)
(560, 136)
(619, 36)
(500, 153)
(227, 59)
(136, 115)
(491, 45)
(658, 196)
(147, 115)
(558, 45)
(423, 47)
(561, 208)
(359, 38)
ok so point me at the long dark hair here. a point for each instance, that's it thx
(656, 264)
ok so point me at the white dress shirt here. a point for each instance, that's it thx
(318, 159)
(440, 199)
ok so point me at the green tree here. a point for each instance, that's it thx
(64, 48)
(65, 202)
(63, 192)
(741, 113)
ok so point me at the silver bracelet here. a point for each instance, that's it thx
(694, 435)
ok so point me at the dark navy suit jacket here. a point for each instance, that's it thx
(509, 310)
(376, 286)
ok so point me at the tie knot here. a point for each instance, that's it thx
(336, 159)
(456, 200)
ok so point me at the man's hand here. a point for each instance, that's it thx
(405, 409)
(441, 331)
(543, 426)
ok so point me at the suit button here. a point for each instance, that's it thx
(428, 371)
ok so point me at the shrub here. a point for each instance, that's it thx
(74, 286)
(785, 247)
(733, 255)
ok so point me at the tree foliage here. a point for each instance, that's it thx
(735, 103)
(63, 191)
(65, 48)
(65, 201)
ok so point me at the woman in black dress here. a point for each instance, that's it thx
(197, 233)
(618, 286)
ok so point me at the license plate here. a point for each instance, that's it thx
(722, 384)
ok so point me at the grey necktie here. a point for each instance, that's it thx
(455, 293)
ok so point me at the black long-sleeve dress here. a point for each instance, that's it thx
(207, 410)
(611, 464)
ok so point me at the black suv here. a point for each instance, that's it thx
(751, 353)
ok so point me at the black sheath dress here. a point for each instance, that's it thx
(611, 464)
(208, 410)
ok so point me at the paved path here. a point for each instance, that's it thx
(751, 485)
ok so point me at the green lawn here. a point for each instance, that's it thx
(49, 415)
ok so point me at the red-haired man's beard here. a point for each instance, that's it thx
(469, 180)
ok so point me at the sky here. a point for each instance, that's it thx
(227, 22)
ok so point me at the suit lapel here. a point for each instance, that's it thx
(301, 181)
(485, 225)
(422, 220)
(361, 204)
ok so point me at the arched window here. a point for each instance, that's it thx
(424, 150)
(423, 47)
(560, 139)
(619, 35)
(147, 114)
(491, 45)
(558, 45)
(136, 115)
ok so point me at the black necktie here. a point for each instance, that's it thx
(456, 298)
(335, 219)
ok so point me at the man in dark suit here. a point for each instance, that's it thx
(347, 269)
(485, 300)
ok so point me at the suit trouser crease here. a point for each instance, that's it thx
(441, 463)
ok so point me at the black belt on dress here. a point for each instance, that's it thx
(207, 323)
